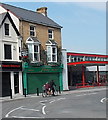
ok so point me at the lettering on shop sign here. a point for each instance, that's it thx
(48, 70)
(11, 66)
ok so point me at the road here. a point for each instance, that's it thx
(89, 104)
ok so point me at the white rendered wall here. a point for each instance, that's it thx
(65, 72)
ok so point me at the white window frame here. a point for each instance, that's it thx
(32, 43)
(33, 30)
(51, 53)
(52, 34)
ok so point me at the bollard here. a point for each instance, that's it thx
(25, 92)
(11, 93)
(59, 90)
(37, 91)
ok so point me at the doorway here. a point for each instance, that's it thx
(16, 82)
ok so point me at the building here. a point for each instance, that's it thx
(41, 46)
(80, 72)
(10, 64)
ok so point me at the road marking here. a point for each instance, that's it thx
(52, 101)
(61, 98)
(103, 99)
(43, 109)
(29, 109)
(86, 94)
(12, 111)
(25, 117)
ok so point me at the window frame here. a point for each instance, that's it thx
(32, 44)
(51, 34)
(34, 31)
(11, 58)
(51, 53)
(5, 30)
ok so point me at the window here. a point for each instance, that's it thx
(32, 30)
(6, 27)
(50, 34)
(33, 49)
(36, 52)
(7, 51)
(52, 53)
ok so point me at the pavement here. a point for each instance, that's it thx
(78, 90)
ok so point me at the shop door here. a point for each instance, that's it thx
(16, 82)
(6, 84)
(38, 80)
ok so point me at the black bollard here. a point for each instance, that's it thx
(25, 92)
(11, 93)
(59, 90)
(37, 91)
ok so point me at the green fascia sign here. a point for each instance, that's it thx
(42, 69)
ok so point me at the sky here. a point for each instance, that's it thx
(84, 23)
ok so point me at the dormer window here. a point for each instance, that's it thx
(33, 49)
(50, 34)
(6, 28)
(32, 30)
(51, 51)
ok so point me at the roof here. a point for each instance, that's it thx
(31, 16)
(3, 18)
(51, 42)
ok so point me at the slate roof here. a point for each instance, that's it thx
(2, 17)
(31, 16)
(53, 42)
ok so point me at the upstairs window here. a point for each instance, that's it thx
(33, 49)
(51, 51)
(6, 27)
(7, 51)
(50, 34)
(32, 30)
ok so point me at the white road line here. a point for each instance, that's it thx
(25, 117)
(43, 109)
(12, 111)
(29, 109)
(61, 98)
(52, 101)
(86, 94)
(102, 100)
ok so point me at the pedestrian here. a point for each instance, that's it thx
(47, 86)
(52, 85)
(44, 91)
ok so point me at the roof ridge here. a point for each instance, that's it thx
(20, 8)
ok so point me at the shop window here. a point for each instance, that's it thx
(7, 51)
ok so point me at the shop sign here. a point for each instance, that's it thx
(11, 66)
(43, 70)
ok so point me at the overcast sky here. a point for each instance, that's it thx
(84, 23)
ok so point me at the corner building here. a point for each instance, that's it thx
(41, 47)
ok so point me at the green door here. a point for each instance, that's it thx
(35, 81)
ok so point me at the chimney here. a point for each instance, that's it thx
(42, 10)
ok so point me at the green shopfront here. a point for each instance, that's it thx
(36, 76)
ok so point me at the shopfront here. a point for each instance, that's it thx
(35, 77)
(11, 78)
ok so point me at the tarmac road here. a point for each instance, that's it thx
(85, 104)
